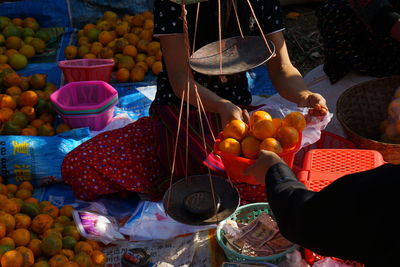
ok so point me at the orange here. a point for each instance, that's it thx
(62, 127)
(34, 246)
(143, 65)
(148, 24)
(153, 48)
(277, 122)
(7, 101)
(122, 75)
(71, 230)
(147, 14)
(110, 15)
(3, 189)
(30, 131)
(136, 30)
(3, 59)
(140, 57)
(27, 50)
(83, 50)
(138, 74)
(296, 120)
(23, 194)
(236, 129)
(89, 55)
(263, 129)
(288, 136)
(58, 261)
(27, 255)
(230, 145)
(18, 61)
(51, 245)
(8, 220)
(87, 27)
(259, 115)
(29, 111)
(22, 221)
(13, 90)
(39, 45)
(5, 114)
(12, 188)
(13, 42)
(146, 35)
(11, 79)
(150, 60)
(11, 52)
(105, 37)
(50, 210)
(42, 223)
(130, 50)
(42, 263)
(96, 48)
(47, 118)
(250, 147)
(132, 38)
(158, 55)
(26, 185)
(122, 28)
(106, 52)
(98, 258)
(10, 206)
(31, 199)
(94, 244)
(138, 20)
(126, 62)
(70, 52)
(28, 98)
(83, 246)
(68, 253)
(142, 45)
(271, 144)
(156, 68)
(21, 237)
(17, 21)
(7, 241)
(3, 230)
(83, 259)
(12, 258)
(66, 210)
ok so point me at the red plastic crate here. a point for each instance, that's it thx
(323, 166)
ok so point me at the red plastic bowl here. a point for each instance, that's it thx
(235, 166)
(89, 69)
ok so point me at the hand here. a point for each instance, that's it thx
(229, 111)
(266, 159)
(316, 103)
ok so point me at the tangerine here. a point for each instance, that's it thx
(132, 38)
(153, 48)
(7, 241)
(34, 245)
(259, 115)
(70, 52)
(21, 237)
(26, 185)
(250, 147)
(12, 188)
(27, 255)
(10, 206)
(143, 65)
(271, 144)
(288, 136)
(27, 50)
(47, 118)
(7, 101)
(122, 75)
(277, 122)
(51, 245)
(58, 261)
(42, 223)
(13, 42)
(137, 74)
(22, 221)
(3, 230)
(156, 68)
(150, 60)
(13, 90)
(230, 145)
(28, 98)
(98, 258)
(5, 114)
(70, 254)
(29, 131)
(130, 50)
(12, 258)
(12, 79)
(38, 81)
(296, 120)
(236, 129)
(138, 20)
(83, 246)
(23, 194)
(50, 210)
(62, 127)
(29, 111)
(263, 129)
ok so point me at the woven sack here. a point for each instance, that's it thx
(361, 109)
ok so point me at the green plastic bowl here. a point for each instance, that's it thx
(245, 214)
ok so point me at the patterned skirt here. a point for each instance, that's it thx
(138, 158)
(351, 45)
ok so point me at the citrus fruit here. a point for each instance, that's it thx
(21, 237)
(137, 74)
(230, 145)
(250, 147)
(18, 61)
(13, 42)
(98, 258)
(38, 80)
(27, 256)
(70, 52)
(263, 129)
(236, 129)
(51, 245)
(122, 75)
(22, 221)
(12, 258)
(27, 50)
(288, 136)
(42, 223)
(295, 120)
(156, 68)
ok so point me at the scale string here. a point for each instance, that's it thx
(259, 26)
(195, 27)
(237, 18)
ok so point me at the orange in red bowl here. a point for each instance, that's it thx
(235, 165)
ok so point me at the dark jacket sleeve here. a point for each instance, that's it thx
(346, 219)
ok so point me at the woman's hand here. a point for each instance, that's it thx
(315, 102)
(266, 159)
(229, 111)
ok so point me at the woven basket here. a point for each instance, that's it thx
(360, 110)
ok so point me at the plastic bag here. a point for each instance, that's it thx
(93, 224)
(314, 126)
(150, 221)
(37, 159)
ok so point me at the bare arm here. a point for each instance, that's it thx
(288, 80)
(176, 61)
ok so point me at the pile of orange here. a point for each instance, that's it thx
(25, 107)
(21, 39)
(262, 133)
(128, 40)
(39, 234)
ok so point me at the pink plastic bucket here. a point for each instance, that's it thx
(85, 104)
(87, 69)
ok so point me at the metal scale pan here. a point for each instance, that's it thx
(202, 210)
(238, 55)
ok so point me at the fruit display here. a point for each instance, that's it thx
(25, 107)
(37, 233)
(20, 40)
(262, 133)
(127, 40)
(390, 128)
